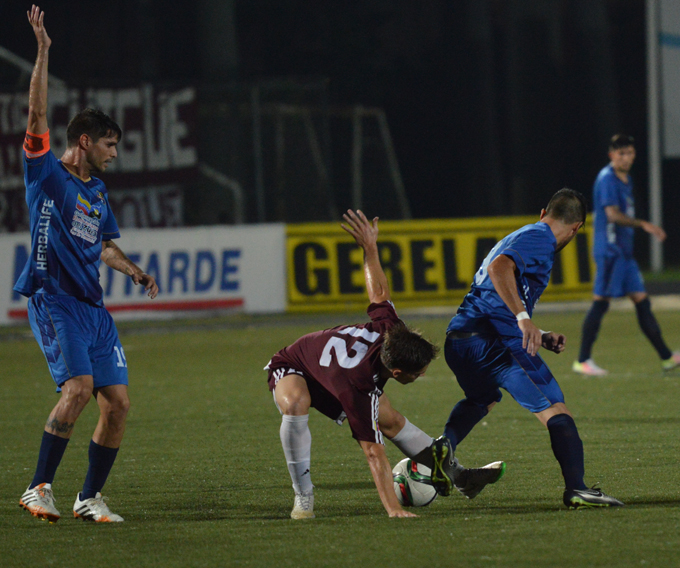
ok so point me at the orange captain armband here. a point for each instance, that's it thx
(36, 145)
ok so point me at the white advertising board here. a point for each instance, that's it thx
(207, 268)
(670, 76)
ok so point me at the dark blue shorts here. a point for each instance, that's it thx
(77, 339)
(617, 277)
(483, 365)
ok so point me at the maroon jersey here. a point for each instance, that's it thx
(345, 361)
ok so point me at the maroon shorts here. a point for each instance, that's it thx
(322, 400)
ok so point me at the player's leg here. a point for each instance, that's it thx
(61, 340)
(590, 329)
(38, 499)
(411, 440)
(650, 327)
(111, 392)
(472, 360)
(607, 284)
(293, 400)
(568, 450)
(534, 387)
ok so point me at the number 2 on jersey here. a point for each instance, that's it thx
(339, 346)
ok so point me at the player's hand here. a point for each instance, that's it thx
(531, 336)
(555, 342)
(36, 18)
(149, 283)
(364, 232)
(401, 513)
(654, 230)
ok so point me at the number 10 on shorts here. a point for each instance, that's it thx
(120, 356)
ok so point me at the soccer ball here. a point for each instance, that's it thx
(412, 484)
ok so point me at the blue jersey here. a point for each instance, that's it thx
(69, 219)
(483, 311)
(612, 239)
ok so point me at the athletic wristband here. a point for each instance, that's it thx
(543, 332)
(522, 316)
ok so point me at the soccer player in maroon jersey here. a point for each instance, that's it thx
(342, 371)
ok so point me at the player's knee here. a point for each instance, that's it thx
(77, 391)
(120, 408)
(295, 404)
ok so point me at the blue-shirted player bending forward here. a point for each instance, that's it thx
(618, 274)
(492, 343)
(72, 228)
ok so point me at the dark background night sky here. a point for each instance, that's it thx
(492, 105)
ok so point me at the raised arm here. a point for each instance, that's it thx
(365, 234)
(615, 215)
(502, 274)
(115, 258)
(37, 94)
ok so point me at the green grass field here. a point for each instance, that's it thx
(201, 479)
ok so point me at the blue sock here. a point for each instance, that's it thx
(101, 462)
(52, 449)
(568, 450)
(591, 327)
(651, 329)
(462, 420)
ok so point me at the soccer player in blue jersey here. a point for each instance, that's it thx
(617, 273)
(72, 228)
(492, 343)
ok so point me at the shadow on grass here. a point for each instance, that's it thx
(630, 421)
(650, 503)
(350, 486)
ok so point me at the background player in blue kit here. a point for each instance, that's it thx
(492, 343)
(618, 274)
(71, 230)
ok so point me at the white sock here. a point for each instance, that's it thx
(296, 440)
(414, 443)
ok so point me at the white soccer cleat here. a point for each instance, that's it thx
(39, 501)
(94, 509)
(588, 368)
(303, 507)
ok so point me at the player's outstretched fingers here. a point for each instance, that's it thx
(402, 514)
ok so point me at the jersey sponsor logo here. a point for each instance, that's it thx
(84, 206)
(43, 234)
(84, 227)
(86, 220)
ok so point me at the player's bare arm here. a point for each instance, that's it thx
(382, 475)
(115, 258)
(502, 274)
(365, 233)
(615, 215)
(37, 94)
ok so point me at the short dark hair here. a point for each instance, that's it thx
(406, 349)
(619, 141)
(94, 123)
(568, 206)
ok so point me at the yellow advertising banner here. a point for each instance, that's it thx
(427, 262)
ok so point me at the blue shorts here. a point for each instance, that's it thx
(77, 339)
(484, 364)
(617, 277)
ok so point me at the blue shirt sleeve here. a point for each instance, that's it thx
(37, 170)
(608, 194)
(528, 250)
(110, 230)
